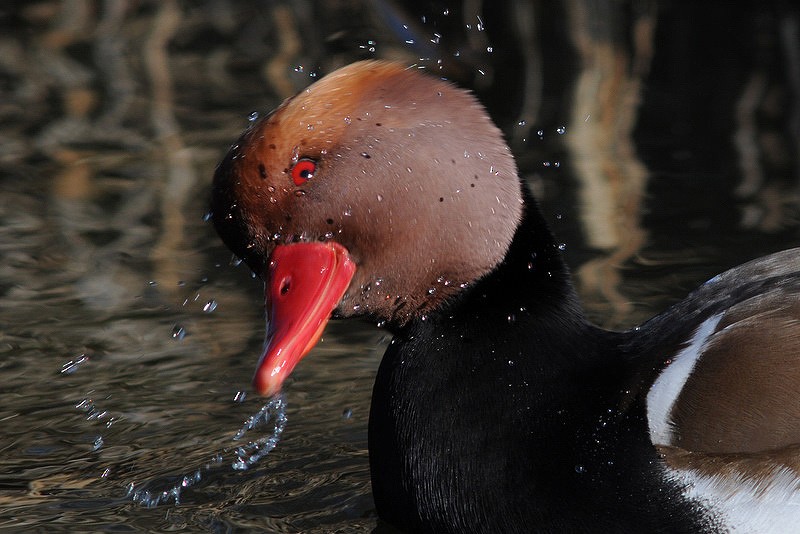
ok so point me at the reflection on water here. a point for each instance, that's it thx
(128, 334)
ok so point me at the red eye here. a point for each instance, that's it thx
(303, 171)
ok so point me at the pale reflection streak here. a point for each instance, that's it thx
(612, 179)
(289, 47)
(180, 173)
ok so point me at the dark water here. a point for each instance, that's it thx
(661, 138)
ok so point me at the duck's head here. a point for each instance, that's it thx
(379, 191)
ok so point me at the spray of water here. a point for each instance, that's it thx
(246, 455)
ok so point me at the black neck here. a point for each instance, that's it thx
(531, 281)
(493, 413)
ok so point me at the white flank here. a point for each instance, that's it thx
(666, 389)
(769, 505)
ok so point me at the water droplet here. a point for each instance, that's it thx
(98, 443)
(348, 120)
(239, 465)
(540, 133)
(348, 212)
(580, 469)
(562, 246)
(299, 68)
(521, 123)
(106, 472)
(511, 318)
(561, 130)
(210, 306)
(178, 332)
(299, 193)
(379, 197)
(207, 216)
(431, 290)
(240, 396)
(347, 413)
(72, 365)
(152, 283)
(489, 49)
(253, 117)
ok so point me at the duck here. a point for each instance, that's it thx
(387, 193)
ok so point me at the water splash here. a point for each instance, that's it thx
(93, 413)
(248, 455)
(150, 499)
(245, 456)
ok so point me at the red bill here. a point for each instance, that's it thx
(303, 285)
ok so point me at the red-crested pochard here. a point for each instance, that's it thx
(381, 191)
